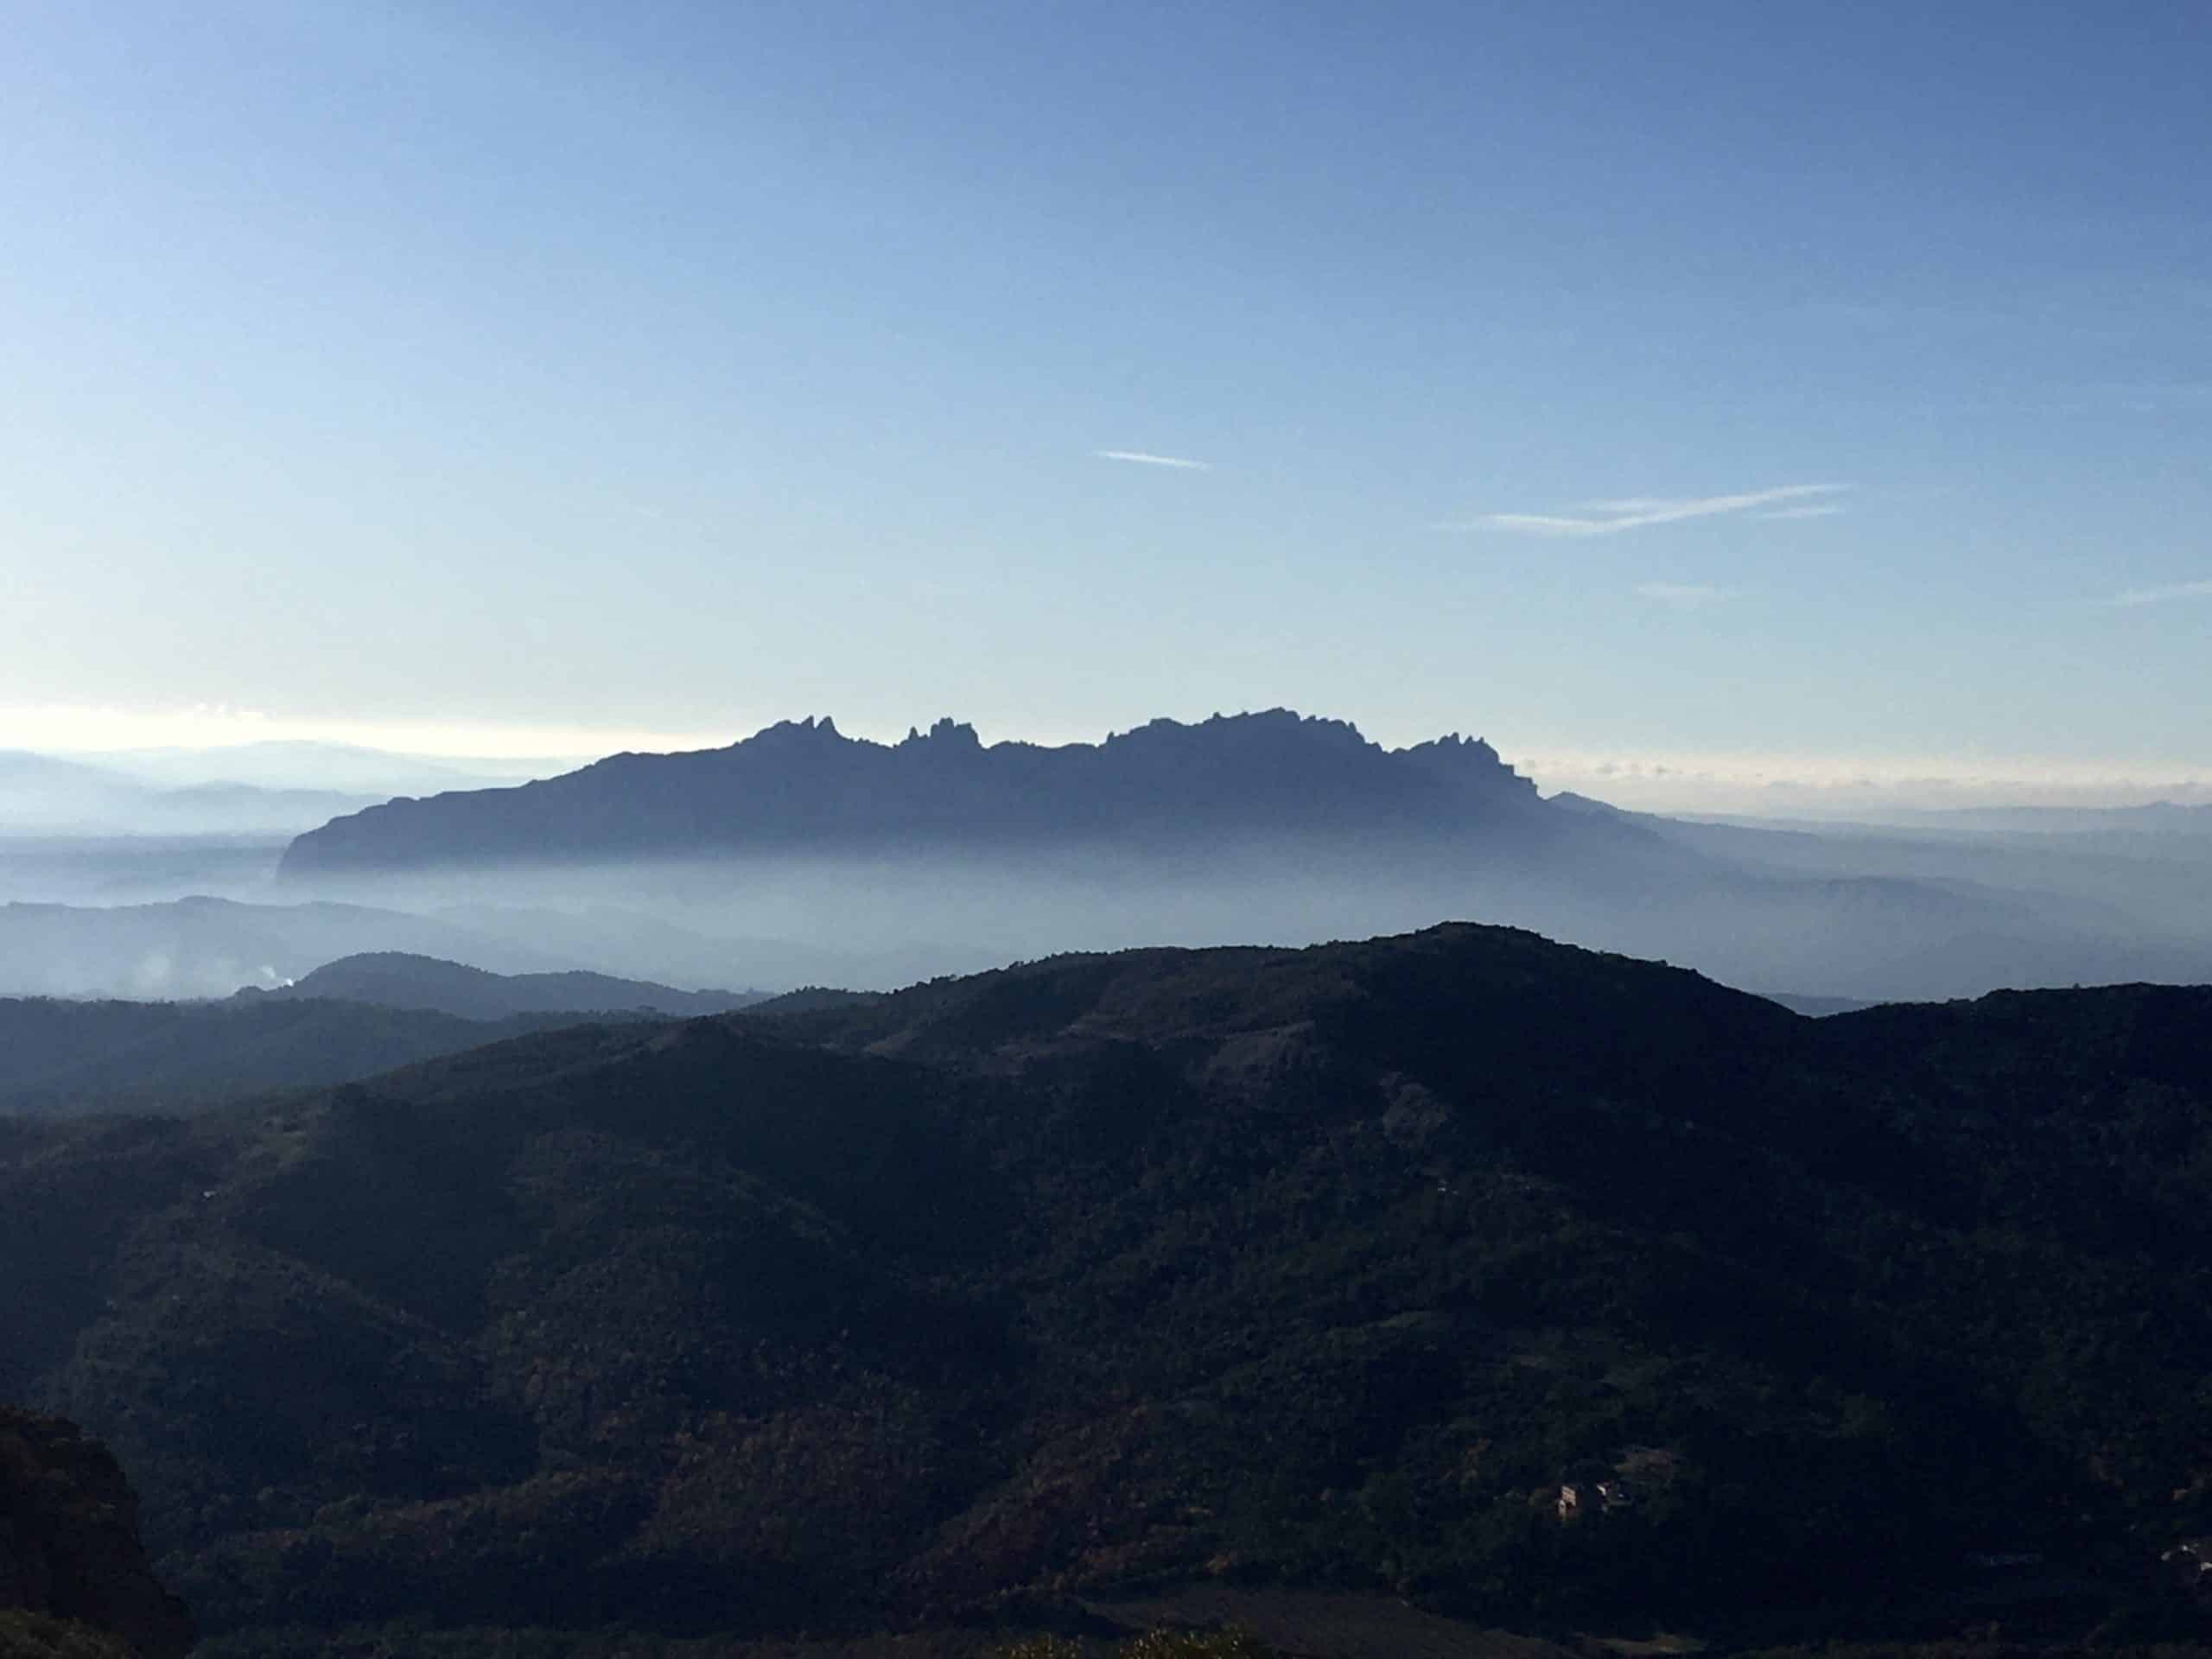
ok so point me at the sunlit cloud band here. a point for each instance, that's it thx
(2129, 597)
(1634, 513)
(1143, 458)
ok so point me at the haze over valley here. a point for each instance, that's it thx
(800, 856)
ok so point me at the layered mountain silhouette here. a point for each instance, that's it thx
(201, 946)
(346, 1019)
(398, 979)
(802, 785)
(41, 794)
(1340, 1267)
(940, 853)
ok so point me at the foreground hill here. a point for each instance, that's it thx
(804, 786)
(73, 1578)
(67, 1058)
(399, 979)
(1527, 1282)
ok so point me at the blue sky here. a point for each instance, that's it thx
(1754, 390)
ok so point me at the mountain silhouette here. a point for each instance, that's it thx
(398, 979)
(805, 785)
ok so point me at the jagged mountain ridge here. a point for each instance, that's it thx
(944, 853)
(805, 785)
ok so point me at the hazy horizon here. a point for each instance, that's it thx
(1812, 786)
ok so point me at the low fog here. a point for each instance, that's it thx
(1834, 912)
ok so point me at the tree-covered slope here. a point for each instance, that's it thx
(400, 979)
(68, 1059)
(1329, 1267)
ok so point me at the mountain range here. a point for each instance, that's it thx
(801, 856)
(1270, 827)
(1535, 1285)
(803, 786)
(43, 795)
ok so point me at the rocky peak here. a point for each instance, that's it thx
(948, 733)
(1454, 754)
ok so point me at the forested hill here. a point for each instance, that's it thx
(399, 979)
(804, 786)
(1529, 1283)
(70, 1058)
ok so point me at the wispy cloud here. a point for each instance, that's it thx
(1682, 595)
(1826, 509)
(1634, 513)
(2132, 596)
(1142, 459)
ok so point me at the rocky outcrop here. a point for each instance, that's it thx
(69, 1547)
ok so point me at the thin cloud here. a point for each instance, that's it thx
(1827, 510)
(2129, 597)
(1141, 458)
(1634, 513)
(1682, 595)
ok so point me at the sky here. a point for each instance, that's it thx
(1687, 399)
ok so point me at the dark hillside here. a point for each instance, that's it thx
(73, 1578)
(398, 979)
(1327, 1268)
(67, 1058)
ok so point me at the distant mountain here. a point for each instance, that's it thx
(813, 998)
(23, 769)
(890, 862)
(2153, 818)
(247, 805)
(120, 869)
(43, 795)
(398, 979)
(1519, 1281)
(286, 764)
(206, 947)
(1818, 1008)
(202, 947)
(73, 1058)
(804, 786)
(636, 943)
